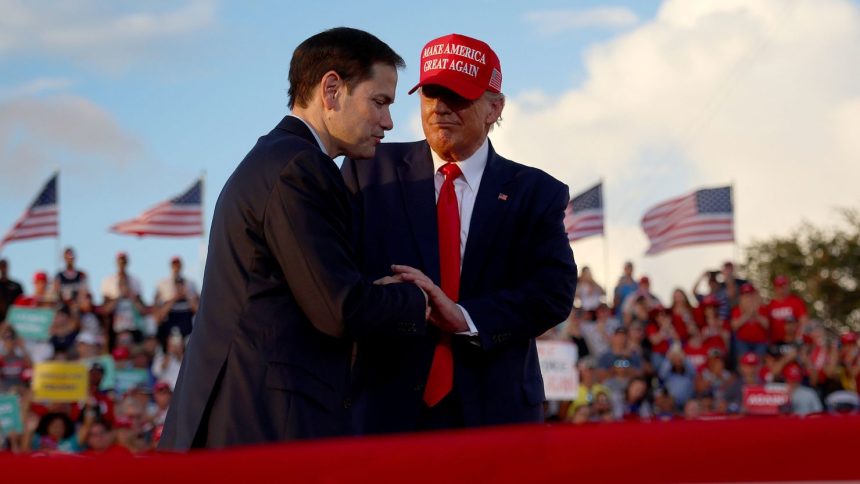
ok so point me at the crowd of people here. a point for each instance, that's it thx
(638, 359)
(119, 338)
(708, 353)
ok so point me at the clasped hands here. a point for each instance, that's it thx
(441, 310)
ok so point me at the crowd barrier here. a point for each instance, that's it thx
(821, 448)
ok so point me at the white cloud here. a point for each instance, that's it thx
(108, 35)
(36, 86)
(761, 93)
(38, 135)
(554, 21)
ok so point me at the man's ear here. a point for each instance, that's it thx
(330, 85)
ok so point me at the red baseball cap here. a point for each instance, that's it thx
(121, 353)
(462, 64)
(750, 359)
(40, 276)
(161, 386)
(793, 373)
(848, 338)
(780, 281)
(748, 289)
(644, 280)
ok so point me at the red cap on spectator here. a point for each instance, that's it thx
(176, 260)
(644, 280)
(848, 338)
(780, 281)
(462, 64)
(748, 289)
(750, 359)
(161, 386)
(40, 276)
(121, 353)
(793, 373)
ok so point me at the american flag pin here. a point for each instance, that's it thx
(503, 197)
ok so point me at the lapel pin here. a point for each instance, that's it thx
(503, 197)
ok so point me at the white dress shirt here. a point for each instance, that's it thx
(313, 132)
(466, 188)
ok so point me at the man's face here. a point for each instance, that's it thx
(455, 127)
(69, 257)
(121, 263)
(362, 116)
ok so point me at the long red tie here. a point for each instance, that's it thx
(441, 377)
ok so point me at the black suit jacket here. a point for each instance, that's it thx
(518, 279)
(282, 299)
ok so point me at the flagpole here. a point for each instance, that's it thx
(202, 250)
(57, 241)
(735, 246)
(605, 243)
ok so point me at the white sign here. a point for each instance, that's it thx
(558, 367)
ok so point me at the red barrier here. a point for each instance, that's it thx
(772, 449)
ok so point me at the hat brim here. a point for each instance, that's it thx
(453, 81)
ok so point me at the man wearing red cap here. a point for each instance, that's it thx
(282, 298)
(483, 235)
(786, 309)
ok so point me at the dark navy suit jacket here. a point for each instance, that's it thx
(282, 299)
(518, 279)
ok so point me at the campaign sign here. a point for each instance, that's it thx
(60, 381)
(765, 399)
(10, 415)
(31, 324)
(558, 367)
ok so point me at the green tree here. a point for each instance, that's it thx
(822, 264)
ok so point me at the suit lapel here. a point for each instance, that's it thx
(491, 205)
(415, 173)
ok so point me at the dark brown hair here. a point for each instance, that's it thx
(349, 52)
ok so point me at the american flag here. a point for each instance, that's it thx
(181, 216)
(583, 216)
(41, 219)
(702, 217)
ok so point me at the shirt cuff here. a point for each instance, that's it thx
(473, 330)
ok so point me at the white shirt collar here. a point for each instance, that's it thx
(472, 167)
(313, 132)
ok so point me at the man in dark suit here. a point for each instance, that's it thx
(282, 297)
(483, 236)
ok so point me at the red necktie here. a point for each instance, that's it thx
(441, 378)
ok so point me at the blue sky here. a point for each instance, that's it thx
(131, 101)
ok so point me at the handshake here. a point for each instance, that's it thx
(441, 310)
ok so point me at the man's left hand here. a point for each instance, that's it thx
(445, 313)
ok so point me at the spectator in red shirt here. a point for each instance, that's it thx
(661, 334)
(101, 440)
(785, 309)
(683, 315)
(750, 323)
(41, 297)
(715, 332)
(696, 352)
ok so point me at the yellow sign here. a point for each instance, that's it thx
(60, 381)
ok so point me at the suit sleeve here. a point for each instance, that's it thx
(307, 226)
(543, 296)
